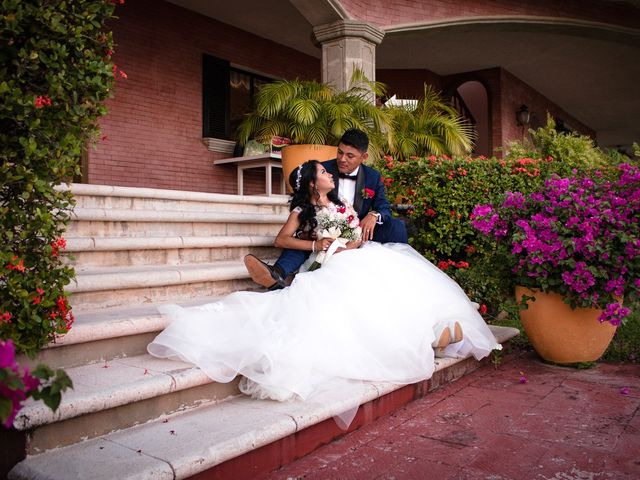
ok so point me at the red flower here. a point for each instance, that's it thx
(470, 249)
(41, 101)
(388, 182)
(430, 212)
(118, 72)
(5, 317)
(38, 298)
(342, 209)
(462, 265)
(62, 304)
(58, 244)
(442, 265)
(19, 266)
(368, 193)
(483, 309)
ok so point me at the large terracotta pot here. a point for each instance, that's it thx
(561, 334)
(294, 155)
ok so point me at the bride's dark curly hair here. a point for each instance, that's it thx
(300, 180)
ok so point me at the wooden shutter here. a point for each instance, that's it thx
(215, 97)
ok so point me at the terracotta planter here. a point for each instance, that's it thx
(294, 155)
(560, 334)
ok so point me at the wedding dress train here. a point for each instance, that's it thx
(369, 314)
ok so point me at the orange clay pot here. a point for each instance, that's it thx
(294, 155)
(561, 334)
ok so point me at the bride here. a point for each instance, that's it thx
(372, 312)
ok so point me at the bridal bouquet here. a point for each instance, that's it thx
(341, 224)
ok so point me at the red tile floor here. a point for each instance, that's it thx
(560, 424)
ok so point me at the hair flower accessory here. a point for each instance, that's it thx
(298, 177)
(368, 193)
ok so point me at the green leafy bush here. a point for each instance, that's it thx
(55, 72)
(443, 191)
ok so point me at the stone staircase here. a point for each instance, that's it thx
(131, 415)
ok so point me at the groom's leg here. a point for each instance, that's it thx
(290, 261)
(393, 230)
(274, 277)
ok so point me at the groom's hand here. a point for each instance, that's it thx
(368, 225)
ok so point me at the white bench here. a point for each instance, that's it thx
(266, 160)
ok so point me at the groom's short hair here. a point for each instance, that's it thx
(357, 139)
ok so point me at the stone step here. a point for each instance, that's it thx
(237, 438)
(134, 198)
(162, 223)
(126, 251)
(98, 337)
(116, 395)
(99, 288)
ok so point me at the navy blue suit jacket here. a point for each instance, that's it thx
(367, 178)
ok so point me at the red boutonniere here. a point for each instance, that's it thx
(368, 193)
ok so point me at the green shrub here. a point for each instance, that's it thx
(55, 72)
(443, 192)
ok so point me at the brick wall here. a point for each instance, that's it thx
(505, 94)
(392, 12)
(408, 83)
(154, 126)
(514, 92)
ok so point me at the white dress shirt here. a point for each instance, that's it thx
(347, 188)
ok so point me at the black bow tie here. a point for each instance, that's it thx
(346, 175)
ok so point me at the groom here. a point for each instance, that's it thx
(359, 185)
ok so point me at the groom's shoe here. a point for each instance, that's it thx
(263, 274)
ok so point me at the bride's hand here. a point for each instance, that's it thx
(323, 244)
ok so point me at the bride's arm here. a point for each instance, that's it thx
(286, 239)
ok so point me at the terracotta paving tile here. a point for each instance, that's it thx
(410, 469)
(569, 462)
(585, 430)
(509, 456)
(562, 424)
(364, 463)
(581, 397)
(446, 450)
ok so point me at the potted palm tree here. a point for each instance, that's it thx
(431, 127)
(314, 116)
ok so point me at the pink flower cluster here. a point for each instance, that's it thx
(16, 383)
(579, 237)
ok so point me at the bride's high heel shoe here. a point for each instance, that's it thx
(445, 335)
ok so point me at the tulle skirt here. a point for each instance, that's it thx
(369, 314)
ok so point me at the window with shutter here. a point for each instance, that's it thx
(215, 98)
(227, 94)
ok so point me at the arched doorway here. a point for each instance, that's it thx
(476, 100)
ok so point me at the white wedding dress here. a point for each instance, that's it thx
(369, 314)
